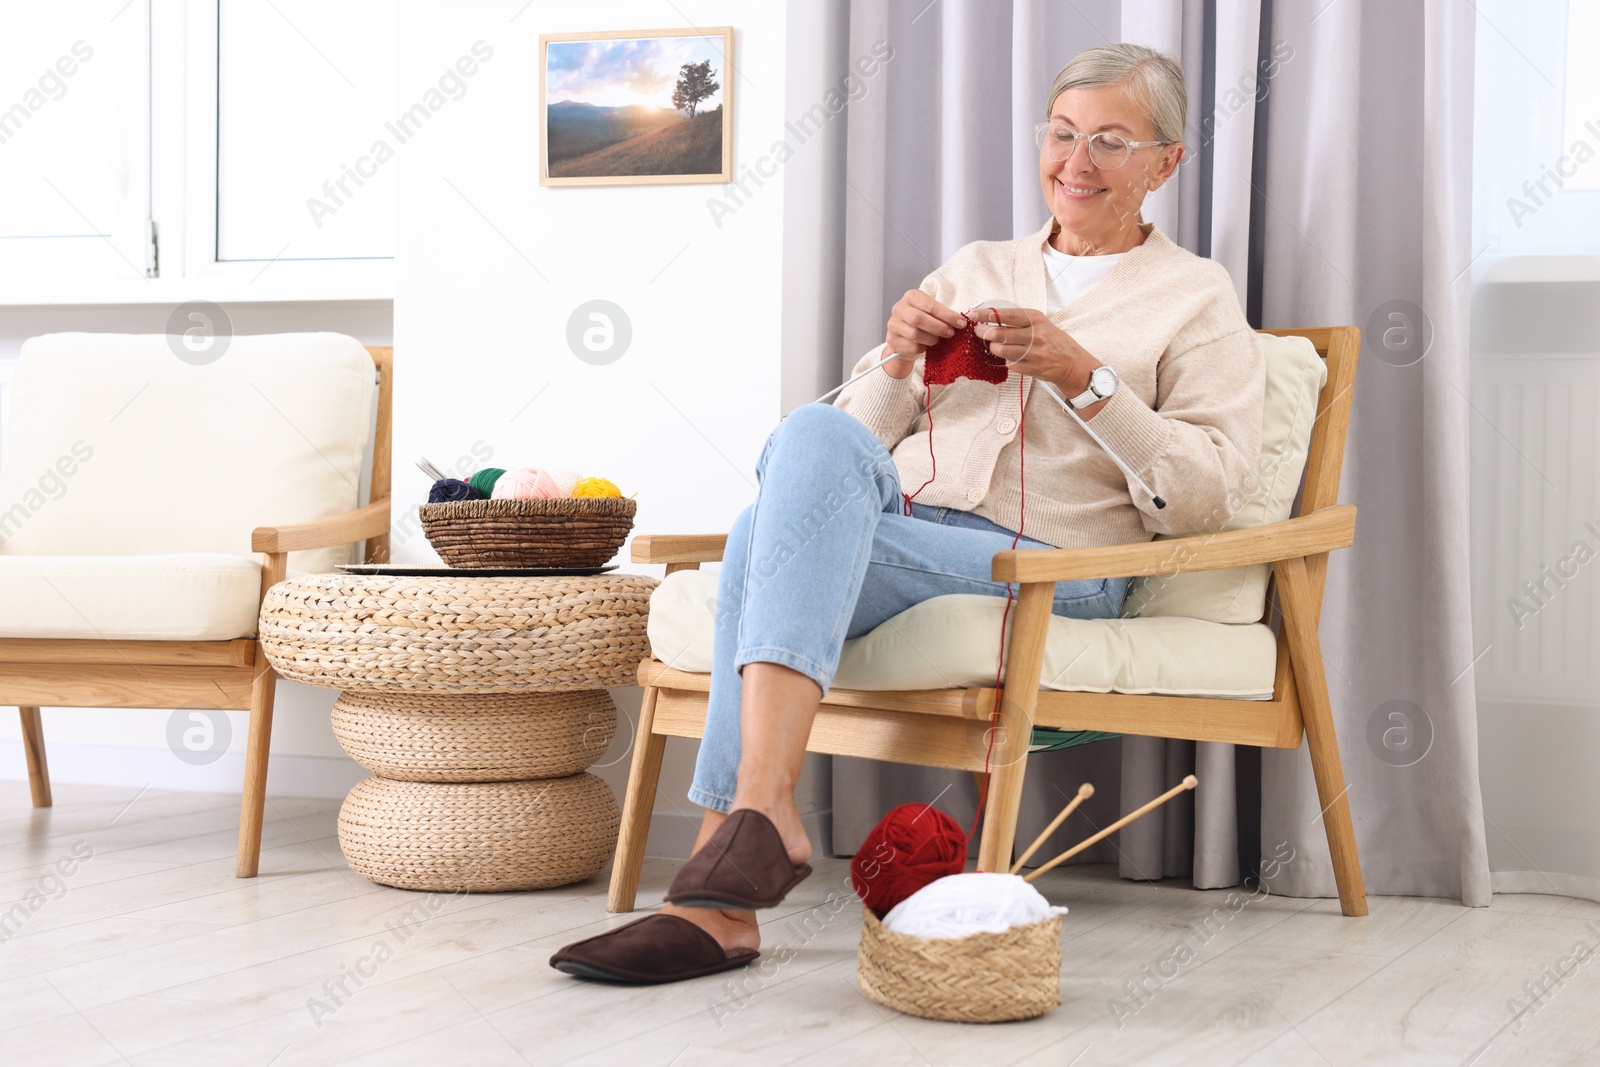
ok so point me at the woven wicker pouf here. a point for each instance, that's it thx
(487, 838)
(477, 703)
(489, 737)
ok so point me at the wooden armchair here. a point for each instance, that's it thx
(105, 670)
(944, 727)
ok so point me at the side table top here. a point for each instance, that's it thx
(458, 634)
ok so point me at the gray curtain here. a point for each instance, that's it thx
(1329, 170)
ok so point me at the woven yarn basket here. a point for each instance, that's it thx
(490, 737)
(557, 532)
(488, 837)
(982, 978)
(444, 634)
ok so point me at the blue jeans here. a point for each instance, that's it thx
(825, 554)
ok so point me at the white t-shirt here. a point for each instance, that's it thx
(1068, 277)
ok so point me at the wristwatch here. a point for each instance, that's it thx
(1102, 383)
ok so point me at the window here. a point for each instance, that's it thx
(1582, 104)
(304, 90)
(145, 148)
(1536, 154)
(75, 141)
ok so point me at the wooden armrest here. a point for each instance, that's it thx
(345, 529)
(677, 548)
(1308, 535)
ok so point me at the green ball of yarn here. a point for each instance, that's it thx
(484, 480)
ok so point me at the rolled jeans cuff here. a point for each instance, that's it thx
(700, 796)
(784, 658)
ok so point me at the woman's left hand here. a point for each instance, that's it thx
(1035, 346)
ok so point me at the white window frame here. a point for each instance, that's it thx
(183, 106)
(200, 238)
(128, 231)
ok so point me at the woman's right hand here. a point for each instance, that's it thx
(916, 323)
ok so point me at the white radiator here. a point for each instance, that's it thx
(1536, 492)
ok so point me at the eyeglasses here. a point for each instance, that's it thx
(1106, 150)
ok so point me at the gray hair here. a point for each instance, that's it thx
(1156, 81)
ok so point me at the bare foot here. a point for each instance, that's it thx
(732, 929)
(786, 817)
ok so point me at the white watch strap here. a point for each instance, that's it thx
(1085, 398)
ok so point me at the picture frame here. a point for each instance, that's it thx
(636, 107)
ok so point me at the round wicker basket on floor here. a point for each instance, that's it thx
(556, 532)
(489, 837)
(489, 737)
(446, 634)
(983, 978)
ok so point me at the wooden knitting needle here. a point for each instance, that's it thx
(1085, 791)
(1188, 783)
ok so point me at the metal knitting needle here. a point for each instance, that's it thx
(836, 389)
(1048, 388)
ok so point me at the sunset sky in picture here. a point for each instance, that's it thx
(640, 70)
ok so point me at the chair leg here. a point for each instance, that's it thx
(998, 840)
(33, 748)
(1305, 653)
(644, 775)
(257, 749)
(1019, 699)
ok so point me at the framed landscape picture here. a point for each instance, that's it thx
(636, 107)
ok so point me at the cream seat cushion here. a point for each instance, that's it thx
(116, 446)
(954, 641)
(1295, 375)
(191, 597)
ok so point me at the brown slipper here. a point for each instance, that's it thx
(743, 866)
(656, 948)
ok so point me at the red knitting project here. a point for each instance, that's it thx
(964, 355)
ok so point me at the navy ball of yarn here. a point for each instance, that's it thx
(450, 490)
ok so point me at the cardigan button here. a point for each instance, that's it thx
(1006, 425)
(974, 495)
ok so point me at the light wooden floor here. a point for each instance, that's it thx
(151, 952)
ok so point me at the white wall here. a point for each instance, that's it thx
(491, 266)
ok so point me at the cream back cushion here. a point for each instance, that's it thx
(115, 446)
(1295, 375)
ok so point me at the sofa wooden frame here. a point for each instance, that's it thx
(945, 727)
(103, 673)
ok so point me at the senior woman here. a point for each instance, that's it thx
(1147, 343)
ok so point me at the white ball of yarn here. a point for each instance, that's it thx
(962, 904)
(564, 478)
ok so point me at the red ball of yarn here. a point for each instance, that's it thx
(911, 846)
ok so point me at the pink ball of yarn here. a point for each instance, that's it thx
(528, 483)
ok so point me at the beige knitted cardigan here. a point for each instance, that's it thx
(1186, 414)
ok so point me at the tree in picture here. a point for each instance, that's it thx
(695, 83)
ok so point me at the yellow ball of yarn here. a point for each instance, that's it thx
(595, 487)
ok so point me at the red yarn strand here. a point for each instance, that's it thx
(898, 858)
(933, 460)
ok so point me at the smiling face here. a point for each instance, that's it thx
(1097, 209)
